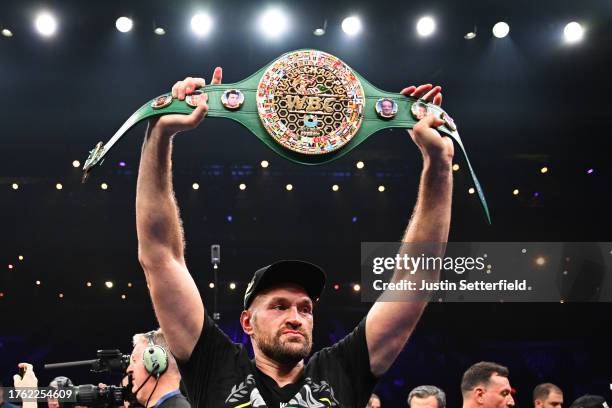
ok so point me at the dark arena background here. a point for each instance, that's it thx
(532, 108)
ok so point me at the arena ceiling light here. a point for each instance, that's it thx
(124, 24)
(7, 33)
(573, 32)
(159, 31)
(470, 35)
(321, 30)
(45, 24)
(426, 26)
(201, 24)
(273, 22)
(351, 25)
(501, 29)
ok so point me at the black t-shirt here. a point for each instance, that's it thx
(174, 401)
(219, 373)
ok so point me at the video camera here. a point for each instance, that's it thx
(89, 395)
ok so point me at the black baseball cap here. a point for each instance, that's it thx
(305, 274)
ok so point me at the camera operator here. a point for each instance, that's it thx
(155, 375)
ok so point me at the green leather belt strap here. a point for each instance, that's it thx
(251, 113)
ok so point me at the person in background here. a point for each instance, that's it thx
(547, 395)
(486, 385)
(427, 396)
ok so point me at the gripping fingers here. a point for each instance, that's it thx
(186, 87)
(422, 90)
(408, 90)
(217, 76)
(194, 118)
(429, 96)
(438, 99)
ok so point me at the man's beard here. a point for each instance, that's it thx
(283, 351)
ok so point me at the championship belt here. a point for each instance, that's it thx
(307, 106)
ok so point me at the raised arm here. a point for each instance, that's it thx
(175, 297)
(390, 323)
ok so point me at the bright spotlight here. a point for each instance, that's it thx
(46, 24)
(76, 164)
(289, 187)
(15, 186)
(242, 186)
(59, 186)
(124, 24)
(426, 26)
(104, 186)
(540, 261)
(351, 25)
(573, 32)
(108, 284)
(159, 31)
(195, 186)
(360, 165)
(515, 191)
(356, 287)
(232, 286)
(381, 189)
(501, 29)
(201, 24)
(455, 167)
(264, 164)
(471, 190)
(470, 36)
(7, 33)
(335, 187)
(319, 32)
(273, 23)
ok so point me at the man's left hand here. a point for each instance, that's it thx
(424, 134)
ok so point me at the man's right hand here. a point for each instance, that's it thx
(177, 303)
(172, 124)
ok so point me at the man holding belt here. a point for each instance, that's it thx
(279, 301)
